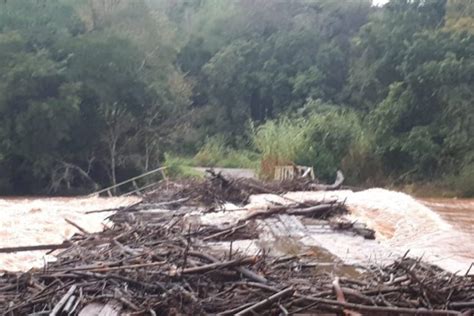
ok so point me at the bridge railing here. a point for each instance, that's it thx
(133, 180)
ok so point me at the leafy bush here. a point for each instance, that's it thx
(331, 136)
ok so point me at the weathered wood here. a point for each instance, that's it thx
(57, 308)
(225, 231)
(266, 302)
(162, 264)
(214, 266)
(309, 211)
(82, 230)
(64, 245)
(245, 272)
(69, 306)
(291, 210)
(111, 308)
(121, 209)
(383, 309)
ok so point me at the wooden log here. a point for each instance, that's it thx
(310, 211)
(68, 307)
(341, 298)
(64, 245)
(214, 266)
(245, 272)
(380, 309)
(290, 210)
(461, 305)
(63, 301)
(82, 230)
(266, 302)
(97, 268)
(225, 231)
(117, 209)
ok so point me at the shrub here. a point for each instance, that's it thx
(330, 136)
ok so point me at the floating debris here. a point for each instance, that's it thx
(155, 261)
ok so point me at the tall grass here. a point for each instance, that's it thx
(280, 142)
(216, 153)
(328, 140)
(361, 163)
(212, 152)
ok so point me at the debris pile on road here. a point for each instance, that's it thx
(156, 262)
(217, 189)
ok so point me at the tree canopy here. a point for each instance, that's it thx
(94, 91)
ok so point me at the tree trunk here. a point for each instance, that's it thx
(113, 148)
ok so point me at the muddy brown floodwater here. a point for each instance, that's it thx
(457, 212)
(439, 230)
(28, 221)
(440, 235)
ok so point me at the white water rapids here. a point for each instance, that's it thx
(39, 221)
(401, 222)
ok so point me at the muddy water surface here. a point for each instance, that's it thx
(457, 212)
(440, 230)
(37, 221)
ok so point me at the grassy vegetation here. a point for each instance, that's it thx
(216, 153)
(180, 167)
(328, 140)
(280, 142)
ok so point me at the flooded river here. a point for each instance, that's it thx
(457, 212)
(440, 230)
(38, 221)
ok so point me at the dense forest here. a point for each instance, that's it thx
(96, 91)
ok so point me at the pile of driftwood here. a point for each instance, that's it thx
(216, 189)
(153, 262)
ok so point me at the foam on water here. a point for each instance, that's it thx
(402, 223)
(38, 221)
